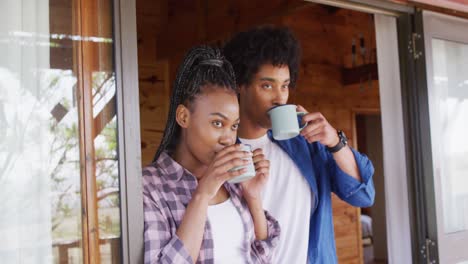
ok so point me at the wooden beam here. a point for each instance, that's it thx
(104, 117)
(92, 56)
(78, 70)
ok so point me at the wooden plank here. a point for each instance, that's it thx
(154, 107)
(186, 20)
(147, 31)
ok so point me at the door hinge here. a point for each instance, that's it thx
(428, 250)
(412, 46)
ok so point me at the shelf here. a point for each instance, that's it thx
(360, 73)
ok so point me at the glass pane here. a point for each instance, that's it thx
(449, 121)
(47, 125)
(107, 180)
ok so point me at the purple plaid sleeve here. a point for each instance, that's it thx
(262, 250)
(161, 246)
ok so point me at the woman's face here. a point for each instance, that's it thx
(212, 124)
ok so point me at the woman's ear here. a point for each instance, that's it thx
(182, 116)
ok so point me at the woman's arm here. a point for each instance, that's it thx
(259, 219)
(161, 246)
(192, 226)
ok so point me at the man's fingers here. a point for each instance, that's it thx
(315, 137)
(312, 127)
(300, 108)
(312, 117)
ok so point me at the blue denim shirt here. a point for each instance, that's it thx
(324, 176)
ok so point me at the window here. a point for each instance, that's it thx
(59, 166)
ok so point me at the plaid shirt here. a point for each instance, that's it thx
(167, 190)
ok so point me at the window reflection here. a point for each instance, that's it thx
(45, 183)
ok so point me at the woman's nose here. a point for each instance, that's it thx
(228, 138)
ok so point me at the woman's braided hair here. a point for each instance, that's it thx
(202, 65)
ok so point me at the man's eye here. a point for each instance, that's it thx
(286, 86)
(217, 123)
(267, 86)
(235, 127)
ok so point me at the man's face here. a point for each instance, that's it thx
(269, 87)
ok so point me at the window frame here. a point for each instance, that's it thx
(128, 123)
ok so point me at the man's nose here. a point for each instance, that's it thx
(280, 97)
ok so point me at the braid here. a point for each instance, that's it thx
(202, 65)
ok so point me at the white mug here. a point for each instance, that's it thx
(284, 121)
(250, 173)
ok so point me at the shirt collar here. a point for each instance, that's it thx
(170, 168)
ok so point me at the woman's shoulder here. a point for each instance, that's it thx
(152, 178)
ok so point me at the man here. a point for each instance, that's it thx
(303, 170)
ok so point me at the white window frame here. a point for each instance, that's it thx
(128, 121)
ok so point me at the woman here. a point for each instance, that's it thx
(191, 212)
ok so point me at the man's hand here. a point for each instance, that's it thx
(318, 129)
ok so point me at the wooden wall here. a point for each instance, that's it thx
(167, 29)
(154, 81)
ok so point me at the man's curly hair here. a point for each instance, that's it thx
(249, 50)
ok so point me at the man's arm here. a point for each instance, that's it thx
(351, 177)
(344, 158)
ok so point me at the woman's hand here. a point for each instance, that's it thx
(218, 171)
(252, 188)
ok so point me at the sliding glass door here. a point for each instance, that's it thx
(59, 171)
(446, 46)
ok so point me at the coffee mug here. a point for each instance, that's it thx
(250, 167)
(284, 121)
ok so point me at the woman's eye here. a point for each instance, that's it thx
(235, 127)
(217, 123)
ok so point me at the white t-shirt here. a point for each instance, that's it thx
(288, 198)
(228, 233)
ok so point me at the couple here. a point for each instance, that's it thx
(192, 214)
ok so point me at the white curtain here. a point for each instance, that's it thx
(25, 137)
